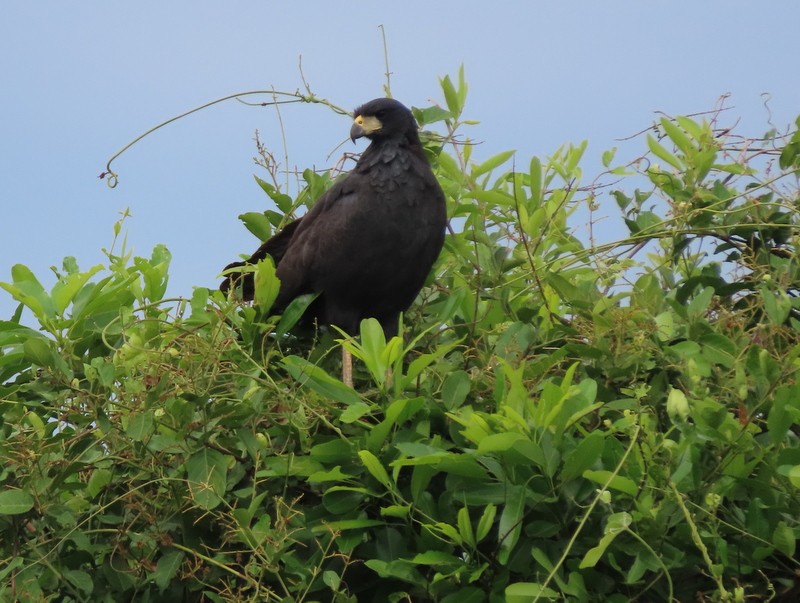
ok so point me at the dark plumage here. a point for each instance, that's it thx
(369, 242)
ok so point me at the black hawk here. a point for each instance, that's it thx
(368, 244)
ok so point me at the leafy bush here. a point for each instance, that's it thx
(564, 421)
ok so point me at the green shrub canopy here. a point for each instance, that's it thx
(562, 419)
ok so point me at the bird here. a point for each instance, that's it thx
(369, 242)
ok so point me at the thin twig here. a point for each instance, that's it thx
(296, 97)
(387, 87)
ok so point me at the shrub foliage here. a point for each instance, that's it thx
(565, 418)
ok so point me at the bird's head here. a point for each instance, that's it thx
(382, 118)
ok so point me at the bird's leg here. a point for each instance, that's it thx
(347, 367)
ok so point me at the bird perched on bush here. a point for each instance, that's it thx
(368, 244)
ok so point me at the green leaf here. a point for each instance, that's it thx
(777, 305)
(491, 163)
(662, 153)
(420, 363)
(15, 502)
(525, 592)
(510, 526)
(27, 290)
(207, 472)
(430, 115)
(400, 569)
(258, 224)
(267, 284)
(167, 568)
(485, 522)
(784, 539)
(608, 156)
(535, 181)
(677, 405)
(594, 554)
(462, 86)
(618, 522)
(372, 338)
(678, 137)
(584, 456)
(779, 419)
(790, 155)
(793, 473)
(283, 201)
(39, 350)
(685, 349)
(331, 579)
(155, 273)
(342, 500)
(333, 451)
(80, 580)
(436, 558)
(99, 479)
(693, 128)
(615, 525)
(493, 198)
(645, 221)
(140, 426)
(455, 389)
(448, 531)
(699, 304)
(623, 201)
(399, 511)
(347, 524)
(373, 350)
(65, 290)
(9, 567)
(310, 375)
(618, 482)
(375, 468)
(294, 312)
(450, 96)
(500, 442)
(465, 527)
(334, 475)
(665, 326)
(354, 412)
(718, 349)
(450, 167)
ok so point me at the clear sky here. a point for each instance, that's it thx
(81, 79)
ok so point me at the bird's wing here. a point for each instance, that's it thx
(280, 244)
(275, 247)
(315, 242)
(277, 244)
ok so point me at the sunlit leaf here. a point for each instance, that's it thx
(492, 163)
(617, 482)
(267, 284)
(258, 224)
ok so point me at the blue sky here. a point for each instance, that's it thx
(81, 79)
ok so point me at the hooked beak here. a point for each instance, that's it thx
(357, 132)
(364, 125)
